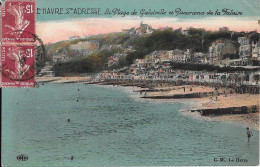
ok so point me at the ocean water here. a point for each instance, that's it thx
(112, 126)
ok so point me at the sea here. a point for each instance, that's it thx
(91, 125)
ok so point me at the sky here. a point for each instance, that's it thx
(54, 31)
(56, 27)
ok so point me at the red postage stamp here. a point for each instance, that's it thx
(18, 65)
(18, 21)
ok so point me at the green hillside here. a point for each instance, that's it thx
(142, 44)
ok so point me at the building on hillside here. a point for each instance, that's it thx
(111, 61)
(140, 63)
(244, 49)
(154, 57)
(86, 48)
(199, 57)
(187, 56)
(214, 52)
(106, 47)
(129, 31)
(185, 32)
(167, 29)
(220, 48)
(163, 55)
(256, 51)
(74, 37)
(114, 59)
(177, 55)
(144, 29)
(155, 54)
(60, 58)
(160, 56)
(224, 29)
(84, 37)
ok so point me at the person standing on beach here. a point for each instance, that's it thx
(249, 133)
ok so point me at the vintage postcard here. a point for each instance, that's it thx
(129, 83)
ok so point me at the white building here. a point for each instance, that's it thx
(86, 48)
(256, 51)
(215, 52)
(199, 57)
(187, 56)
(244, 49)
(60, 58)
(144, 29)
(74, 37)
(177, 55)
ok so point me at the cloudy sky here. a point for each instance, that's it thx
(56, 27)
(54, 31)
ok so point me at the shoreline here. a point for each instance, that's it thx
(250, 119)
(62, 79)
(207, 98)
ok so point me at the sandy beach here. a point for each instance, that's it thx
(251, 119)
(229, 101)
(183, 89)
(223, 101)
(220, 99)
(62, 79)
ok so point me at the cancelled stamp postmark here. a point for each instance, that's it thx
(18, 43)
(18, 65)
(18, 17)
